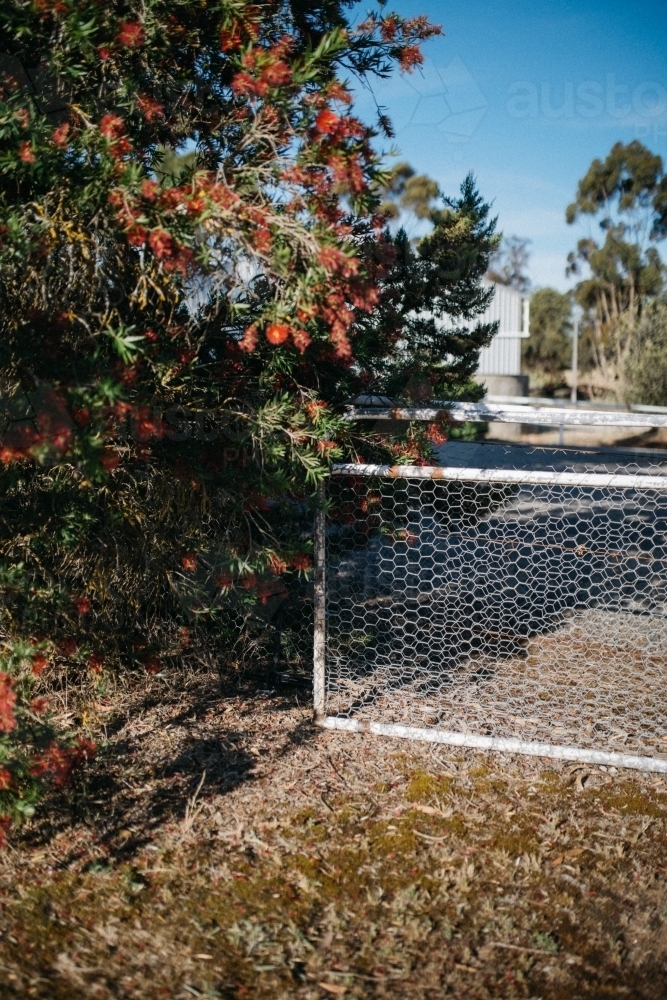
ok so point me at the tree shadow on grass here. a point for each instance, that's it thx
(134, 787)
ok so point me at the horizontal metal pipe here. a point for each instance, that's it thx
(566, 404)
(520, 477)
(544, 416)
(552, 750)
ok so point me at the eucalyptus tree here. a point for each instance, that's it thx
(618, 261)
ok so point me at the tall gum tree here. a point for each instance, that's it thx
(626, 194)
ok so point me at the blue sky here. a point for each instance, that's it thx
(526, 94)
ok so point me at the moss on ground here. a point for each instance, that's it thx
(355, 872)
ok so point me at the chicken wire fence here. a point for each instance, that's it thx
(521, 608)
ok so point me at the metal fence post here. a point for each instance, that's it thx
(319, 644)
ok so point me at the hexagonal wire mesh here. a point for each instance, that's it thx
(521, 608)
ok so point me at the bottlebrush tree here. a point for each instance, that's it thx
(172, 332)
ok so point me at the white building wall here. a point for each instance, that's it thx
(506, 308)
(501, 357)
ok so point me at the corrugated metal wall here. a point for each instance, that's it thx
(501, 357)
(506, 306)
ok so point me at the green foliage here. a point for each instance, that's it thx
(419, 343)
(627, 194)
(549, 347)
(646, 365)
(406, 191)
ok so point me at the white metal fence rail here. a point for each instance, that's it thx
(521, 610)
(516, 413)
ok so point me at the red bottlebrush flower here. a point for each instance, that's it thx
(301, 339)
(39, 705)
(330, 258)
(277, 74)
(301, 561)
(26, 154)
(115, 198)
(136, 236)
(249, 581)
(150, 109)
(196, 204)
(327, 121)
(314, 408)
(82, 605)
(189, 562)
(55, 762)
(39, 664)
(81, 416)
(111, 126)
(96, 663)
(149, 190)
(337, 91)
(109, 460)
(22, 116)
(104, 53)
(181, 261)
(5, 779)
(59, 137)
(153, 664)
(277, 333)
(131, 34)
(67, 647)
(263, 241)
(282, 47)
(248, 342)
(7, 702)
(388, 28)
(333, 260)
(436, 434)
(224, 581)
(161, 244)
(230, 39)
(277, 565)
(151, 336)
(244, 84)
(339, 339)
(143, 426)
(409, 57)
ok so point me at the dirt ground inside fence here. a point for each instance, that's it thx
(221, 846)
(597, 681)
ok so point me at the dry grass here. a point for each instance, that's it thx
(597, 680)
(223, 847)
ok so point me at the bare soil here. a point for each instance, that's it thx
(222, 846)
